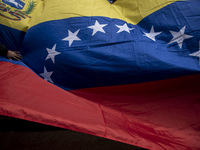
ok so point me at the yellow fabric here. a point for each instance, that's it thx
(16, 18)
(131, 11)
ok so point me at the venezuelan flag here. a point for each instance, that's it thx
(127, 71)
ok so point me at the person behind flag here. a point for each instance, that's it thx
(111, 1)
(4, 51)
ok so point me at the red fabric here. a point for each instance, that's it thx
(155, 115)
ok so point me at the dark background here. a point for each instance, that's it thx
(17, 134)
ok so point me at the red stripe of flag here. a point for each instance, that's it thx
(155, 115)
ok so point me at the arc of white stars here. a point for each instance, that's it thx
(196, 54)
(52, 53)
(47, 75)
(97, 27)
(124, 28)
(152, 34)
(72, 37)
(179, 37)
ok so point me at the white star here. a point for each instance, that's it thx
(72, 37)
(97, 27)
(47, 75)
(152, 34)
(179, 37)
(52, 53)
(196, 54)
(124, 28)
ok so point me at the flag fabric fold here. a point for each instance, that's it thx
(127, 71)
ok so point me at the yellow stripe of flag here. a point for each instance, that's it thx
(131, 11)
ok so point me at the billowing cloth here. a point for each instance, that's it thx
(127, 71)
